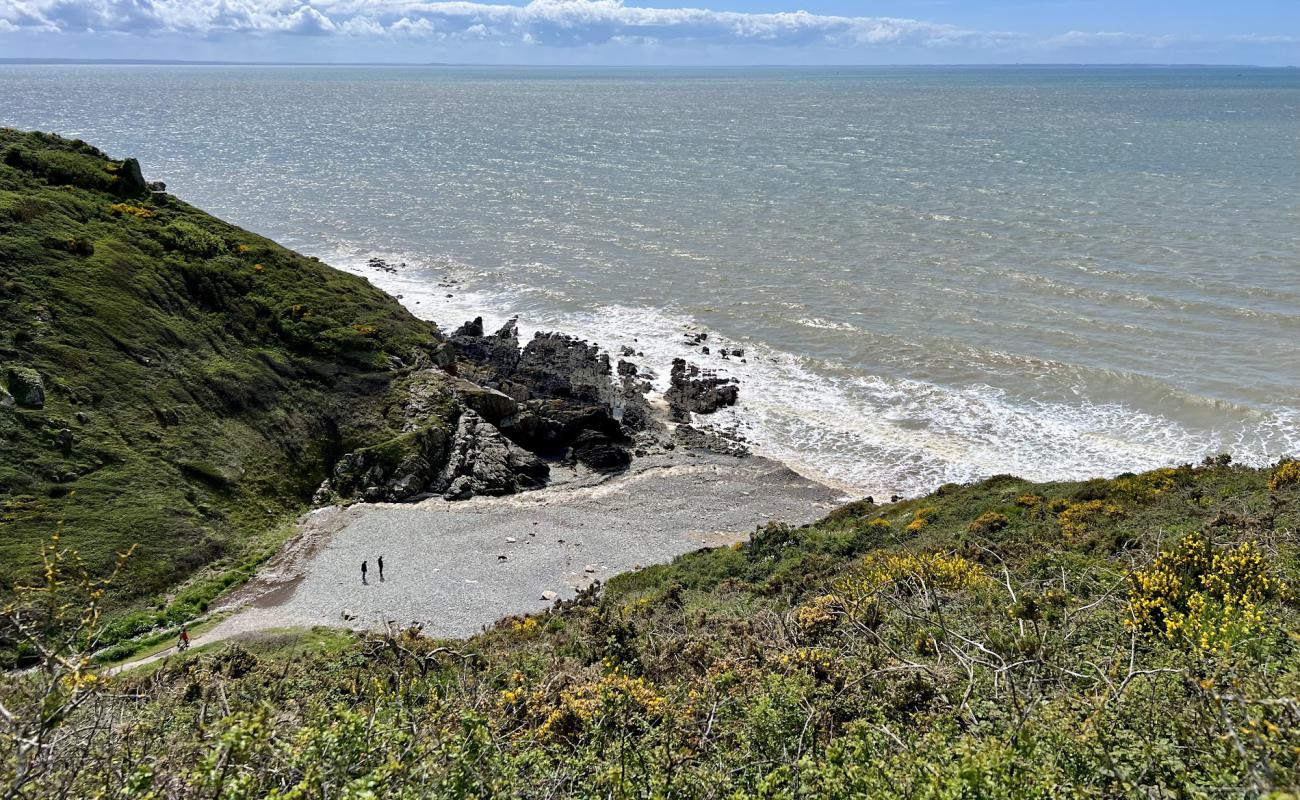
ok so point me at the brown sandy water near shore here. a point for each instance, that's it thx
(455, 568)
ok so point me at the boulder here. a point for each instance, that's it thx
(700, 391)
(132, 179)
(26, 386)
(6, 399)
(600, 451)
(490, 404)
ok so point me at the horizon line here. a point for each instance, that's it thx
(223, 63)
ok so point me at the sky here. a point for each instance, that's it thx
(659, 32)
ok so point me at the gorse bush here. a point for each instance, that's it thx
(1287, 474)
(1206, 597)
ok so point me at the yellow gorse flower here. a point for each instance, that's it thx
(1203, 596)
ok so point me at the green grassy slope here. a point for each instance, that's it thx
(199, 378)
(1134, 637)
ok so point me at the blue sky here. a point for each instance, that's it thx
(724, 32)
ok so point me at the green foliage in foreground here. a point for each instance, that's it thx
(1134, 637)
(199, 379)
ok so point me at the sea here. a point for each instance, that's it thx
(934, 274)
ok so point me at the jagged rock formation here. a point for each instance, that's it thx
(699, 391)
(448, 445)
(566, 402)
(482, 461)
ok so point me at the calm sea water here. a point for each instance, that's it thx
(936, 274)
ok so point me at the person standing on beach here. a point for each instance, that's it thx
(363, 573)
(381, 569)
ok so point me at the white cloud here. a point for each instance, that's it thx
(554, 22)
(560, 23)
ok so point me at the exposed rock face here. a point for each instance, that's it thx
(567, 401)
(490, 404)
(472, 459)
(26, 386)
(6, 399)
(555, 365)
(499, 352)
(448, 445)
(701, 392)
(482, 461)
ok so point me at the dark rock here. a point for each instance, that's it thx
(26, 386)
(600, 452)
(558, 366)
(472, 328)
(83, 418)
(626, 369)
(64, 440)
(132, 179)
(6, 399)
(498, 353)
(701, 392)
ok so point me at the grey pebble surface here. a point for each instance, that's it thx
(455, 568)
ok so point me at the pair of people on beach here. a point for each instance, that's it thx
(364, 567)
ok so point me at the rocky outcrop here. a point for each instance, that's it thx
(26, 386)
(498, 353)
(700, 391)
(483, 462)
(630, 404)
(473, 458)
(131, 178)
(490, 404)
(567, 403)
(558, 366)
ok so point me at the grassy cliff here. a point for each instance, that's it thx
(198, 380)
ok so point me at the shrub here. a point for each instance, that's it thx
(818, 615)
(190, 239)
(1202, 596)
(1077, 519)
(988, 522)
(1287, 474)
(617, 697)
(1029, 501)
(881, 571)
(126, 209)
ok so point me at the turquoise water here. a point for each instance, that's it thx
(936, 274)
